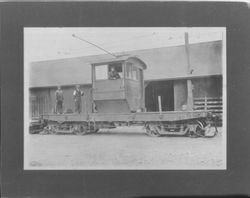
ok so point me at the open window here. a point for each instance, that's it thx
(110, 71)
(115, 71)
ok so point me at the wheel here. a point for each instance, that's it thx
(79, 130)
(50, 129)
(187, 133)
(192, 134)
(92, 129)
(197, 130)
(45, 130)
(152, 131)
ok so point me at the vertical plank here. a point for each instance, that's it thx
(159, 104)
(205, 103)
(38, 106)
(45, 102)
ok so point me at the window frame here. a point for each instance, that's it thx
(135, 74)
(116, 64)
(101, 65)
(108, 66)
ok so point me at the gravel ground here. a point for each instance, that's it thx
(124, 148)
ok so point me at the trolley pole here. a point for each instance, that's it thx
(189, 81)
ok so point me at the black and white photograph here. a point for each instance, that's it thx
(125, 98)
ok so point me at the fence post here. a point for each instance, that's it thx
(205, 103)
(159, 104)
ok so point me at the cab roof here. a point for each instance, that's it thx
(120, 59)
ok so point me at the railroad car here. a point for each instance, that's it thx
(121, 102)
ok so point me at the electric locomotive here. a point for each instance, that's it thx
(121, 102)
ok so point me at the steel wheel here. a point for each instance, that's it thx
(197, 130)
(192, 134)
(50, 129)
(152, 131)
(79, 130)
(83, 129)
(92, 129)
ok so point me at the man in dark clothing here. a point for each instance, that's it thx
(113, 74)
(59, 100)
(77, 98)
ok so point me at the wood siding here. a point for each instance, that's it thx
(42, 100)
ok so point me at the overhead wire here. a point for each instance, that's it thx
(116, 43)
(111, 46)
(75, 36)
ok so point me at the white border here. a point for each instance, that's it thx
(26, 116)
(224, 94)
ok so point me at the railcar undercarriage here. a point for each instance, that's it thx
(191, 124)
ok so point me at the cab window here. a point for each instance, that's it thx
(115, 71)
(110, 71)
(129, 71)
(101, 72)
(132, 72)
(135, 73)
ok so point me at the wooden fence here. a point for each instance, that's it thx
(211, 104)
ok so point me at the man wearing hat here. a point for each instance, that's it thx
(77, 98)
(59, 100)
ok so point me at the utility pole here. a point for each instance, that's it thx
(189, 72)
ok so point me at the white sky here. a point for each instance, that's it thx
(57, 43)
